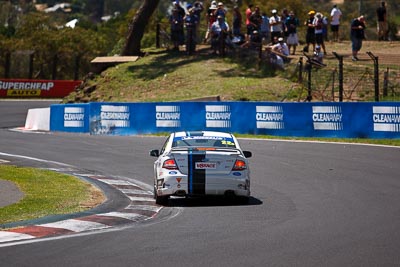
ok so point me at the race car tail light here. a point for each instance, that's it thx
(240, 165)
(170, 164)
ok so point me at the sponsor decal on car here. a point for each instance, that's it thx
(205, 165)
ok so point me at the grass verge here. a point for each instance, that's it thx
(46, 193)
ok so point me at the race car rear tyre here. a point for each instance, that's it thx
(161, 200)
(241, 200)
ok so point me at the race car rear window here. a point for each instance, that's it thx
(203, 141)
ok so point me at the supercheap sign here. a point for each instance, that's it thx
(36, 88)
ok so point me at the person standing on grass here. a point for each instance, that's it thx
(291, 25)
(310, 34)
(382, 22)
(357, 35)
(275, 24)
(336, 14)
(319, 31)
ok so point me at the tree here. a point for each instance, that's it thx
(136, 28)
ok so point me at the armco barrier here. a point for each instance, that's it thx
(352, 120)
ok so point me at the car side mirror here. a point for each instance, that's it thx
(155, 153)
(247, 154)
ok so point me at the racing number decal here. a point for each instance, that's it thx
(197, 177)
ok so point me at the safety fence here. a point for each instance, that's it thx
(315, 119)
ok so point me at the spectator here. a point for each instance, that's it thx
(284, 16)
(210, 19)
(310, 35)
(318, 31)
(318, 54)
(291, 25)
(249, 27)
(191, 21)
(357, 35)
(198, 8)
(256, 19)
(220, 11)
(278, 53)
(281, 47)
(336, 14)
(177, 34)
(265, 28)
(219, 33)
(382, 22)
(179, 8)
(276, 25)
(254, 42)
(325, 23)
(237, 21)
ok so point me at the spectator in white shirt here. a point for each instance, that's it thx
(336, 14)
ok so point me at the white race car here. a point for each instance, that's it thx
(200, 164)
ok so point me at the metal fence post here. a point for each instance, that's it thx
(340, 58)
(385, 82)
(300, 64)
(376, 74)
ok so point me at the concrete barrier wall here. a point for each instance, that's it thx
(348, 120)
(38, 119)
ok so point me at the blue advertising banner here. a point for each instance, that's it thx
(69, 118)
(324, 119)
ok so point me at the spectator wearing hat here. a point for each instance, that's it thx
(220, 11)
(319, 30)
(281, 47)
(254, 42)
(180, 9)
(275, 24)
(279, 51)
(310, 34)
(357, 35)
(336, 14)
(191, 21)
(219, 33)
(210, 19)
(291, 25)
(318, 55)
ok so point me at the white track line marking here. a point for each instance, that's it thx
(135, 191)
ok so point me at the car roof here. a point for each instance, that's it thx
(203, 133)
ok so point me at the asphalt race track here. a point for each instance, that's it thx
(313, 204)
